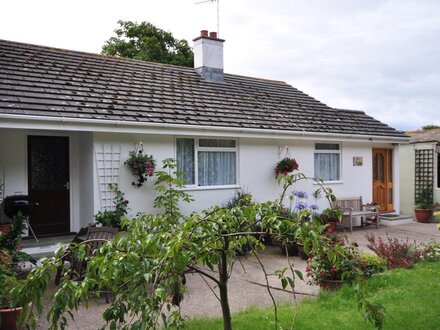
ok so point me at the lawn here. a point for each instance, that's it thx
(410, 297)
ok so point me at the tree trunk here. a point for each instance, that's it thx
(223, 287)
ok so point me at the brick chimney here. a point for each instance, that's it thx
(208, 56)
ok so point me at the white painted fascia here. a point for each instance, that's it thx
(116, 126)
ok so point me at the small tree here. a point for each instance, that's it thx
(144, 266)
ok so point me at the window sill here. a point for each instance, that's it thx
(201, 188)
(329, 182)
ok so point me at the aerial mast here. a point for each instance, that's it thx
(218, 12)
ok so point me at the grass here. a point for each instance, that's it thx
(410, 297)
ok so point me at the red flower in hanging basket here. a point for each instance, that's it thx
(141, 166)
(286, 166)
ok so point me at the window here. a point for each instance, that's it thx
(207, 162)
(327, 161)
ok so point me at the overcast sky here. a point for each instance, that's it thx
(382, 57)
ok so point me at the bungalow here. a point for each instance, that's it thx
(69, 119)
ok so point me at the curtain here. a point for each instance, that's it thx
(185, 159)
(327, 166)
(216, 168)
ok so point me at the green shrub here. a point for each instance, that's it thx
(371, 263)
(112, 218)
(432, 251)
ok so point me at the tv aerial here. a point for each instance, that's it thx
(218, 11)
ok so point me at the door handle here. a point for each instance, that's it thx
(67, 185)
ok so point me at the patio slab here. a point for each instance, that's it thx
(243, 292)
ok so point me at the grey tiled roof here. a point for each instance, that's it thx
(43, 81)
(432, 135)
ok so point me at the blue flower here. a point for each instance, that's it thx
(300, 205)
(300, 194)
(314, 207)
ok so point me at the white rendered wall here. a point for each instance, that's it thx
(407, 178)
(13, 161)
(86, 177)
(257, 158)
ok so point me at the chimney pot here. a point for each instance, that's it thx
(213, 35)
(204, 33)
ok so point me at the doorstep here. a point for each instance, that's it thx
(45, 247)
(394, 219)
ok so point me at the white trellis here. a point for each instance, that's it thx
(108, 164)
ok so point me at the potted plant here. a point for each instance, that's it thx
(285, 166)
(11, 272)
(330, 217)
(284, 236)
(333, 264)
(308, 232)
(140, 164)
(423, 210)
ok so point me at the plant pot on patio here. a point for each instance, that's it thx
(302, 253)
(9, 317)
(330, 285)
(292, 249)
(5, 228)
(423, 215)
(331, 227)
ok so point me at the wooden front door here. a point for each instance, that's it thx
(383, 189)
(48, 184)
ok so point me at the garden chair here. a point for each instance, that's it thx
(94, 238)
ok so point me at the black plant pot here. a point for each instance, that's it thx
(301, 252)
(292, 249)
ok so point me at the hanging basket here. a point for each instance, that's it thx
(141, 165)
(286, 166)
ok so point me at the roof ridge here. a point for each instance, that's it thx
(349, 110)
(116, 58)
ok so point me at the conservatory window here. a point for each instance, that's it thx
(207, 162)
(328, 161)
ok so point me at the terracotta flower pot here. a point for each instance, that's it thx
(5, 228)
(9, 317)
(331, 227)
(331, 285)
(423, 215)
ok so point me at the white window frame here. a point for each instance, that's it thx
(197, 148)
(323, 151)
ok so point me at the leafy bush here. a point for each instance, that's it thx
(112, 218)
(371, 264)
(239, 198)
(398, 253)
(331, 260)
(432, 251)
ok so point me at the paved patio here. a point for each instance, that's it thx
(242, 291)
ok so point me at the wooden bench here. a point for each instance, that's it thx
(353, 207)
